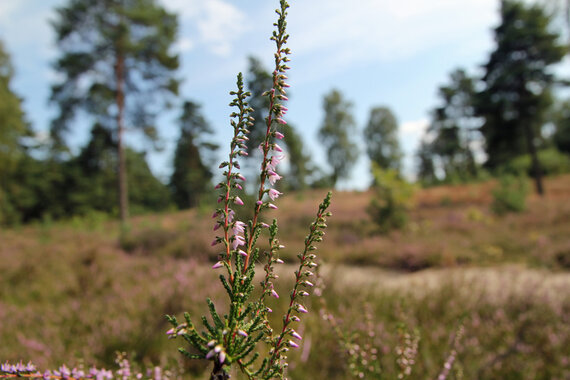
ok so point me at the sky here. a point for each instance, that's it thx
(376, 52)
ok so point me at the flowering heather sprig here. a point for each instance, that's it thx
(29, 371)
(448, 364)
(277, 363)
(407, 350)
(232, 339)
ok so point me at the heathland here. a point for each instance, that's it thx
(76, 292)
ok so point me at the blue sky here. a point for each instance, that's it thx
(376, 52)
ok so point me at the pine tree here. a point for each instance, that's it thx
(191, 176)
(518, 84)
(116, 65)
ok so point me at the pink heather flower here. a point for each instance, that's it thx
(238, 186)
(274, 161)
(277, 148)
(279, 261)
(238, 240)
(217, 265)
(292, 344)
(215, 215)
(238, 227)
(242, 333)
(243, 253)
(217, 226)
(301, 308)
(307, 283)
(264, 225)
(269, 310)
(279, 135)
(259, 203)
(296, 335)
(239, 176)
(222, 357)
(274, 293)
(218, 186)
(273, 194)
(210, 354)
(281, 121)
(272, 206)
(238, 201)
(231, 215)
(216, 241)
(273, 177)
(294, 318)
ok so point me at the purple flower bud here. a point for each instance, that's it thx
(222, 357)
(217, 265)
(294, 318)
(301, 308)
(242, 333)
(272, 206)
(238, 201)
(292, 344)
(277, 148)
(264, 225)
(296, 335)
(279, 135)
(274, 293)
(243, 253)
(279, 261)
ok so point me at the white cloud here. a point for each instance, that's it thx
(373, 30)
(413, 128)
(214, 24)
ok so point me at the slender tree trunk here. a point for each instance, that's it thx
(536, 168)
(122, 167)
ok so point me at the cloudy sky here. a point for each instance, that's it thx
(376, 52)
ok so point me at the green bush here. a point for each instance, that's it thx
(510, 194)
(552, 162)
(389, 209)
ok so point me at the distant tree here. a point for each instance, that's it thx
(191, 176)
(89, 179)
(13, 129)
(517, 84)
(337, 134)
(562, 125)
(455, 127)
(300, 166)
(425, 164)
(116, 64)
(13, 125)
(381, 137)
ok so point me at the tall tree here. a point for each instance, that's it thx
(191, 176)
(300, 166)
(13, 129)
(337, 134)
(455, 127)
(116, 64)
(425, 164)
(381, 137)
(518, 84)
(562, 123)
(13, 124)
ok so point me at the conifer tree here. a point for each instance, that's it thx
(117, 66)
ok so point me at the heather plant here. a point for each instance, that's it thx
(234, 339)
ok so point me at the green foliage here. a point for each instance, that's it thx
(116, 65)
(381, 136)
(517, 81)
(337, 134)
(191, 178)
(552, 162)
(454, 128)
(562, 123)
(390, 205)
(510, 195)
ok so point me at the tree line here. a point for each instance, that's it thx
(118, 72)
